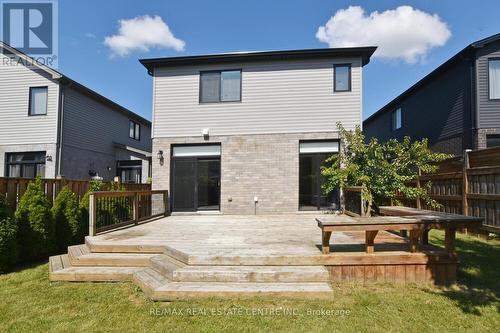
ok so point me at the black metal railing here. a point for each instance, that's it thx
(112, 210)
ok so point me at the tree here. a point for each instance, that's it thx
(35, 223)
(8, 234)
(381, 169)
(66, 215)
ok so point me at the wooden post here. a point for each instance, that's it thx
(449, 240)
(92, 214)
(465, 183)
(165, 203)
(370, 240)
(136, 208)
(419, 204)
(326, 241)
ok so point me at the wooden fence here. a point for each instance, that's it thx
(468, 185)
(14, 188)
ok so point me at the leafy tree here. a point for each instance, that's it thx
(8, 233)
(66, 215)
(35, 223)
(381, 169)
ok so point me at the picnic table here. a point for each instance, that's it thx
(416, 222)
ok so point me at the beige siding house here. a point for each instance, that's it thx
(246, 133)
(53, 126)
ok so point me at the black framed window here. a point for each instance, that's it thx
(492, 140)
(397, 120)
(342, 78)
(25, 165)
(38, 101)
(134, 130)
(220, 86)
(494, 78)
(129, 171)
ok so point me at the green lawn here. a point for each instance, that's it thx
(30, 303)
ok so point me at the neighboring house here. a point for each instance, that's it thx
(246, 133)
(53, 126)
(457, 106)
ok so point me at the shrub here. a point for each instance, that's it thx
(66, 215)
(8, 233)
(94, 186)
(35, 223)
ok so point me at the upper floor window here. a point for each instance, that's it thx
(342, 77)
(220, 86)
(38, 101)
(134, 130)
(396, 119)
(494, 78)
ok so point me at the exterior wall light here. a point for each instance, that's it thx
(159, 156)
(48, 158)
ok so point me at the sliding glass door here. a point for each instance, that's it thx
(196, 178)
(311, 194)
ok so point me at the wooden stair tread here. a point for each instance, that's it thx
(252, 274)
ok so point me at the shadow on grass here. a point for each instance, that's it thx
(26, 265)
(478, 273)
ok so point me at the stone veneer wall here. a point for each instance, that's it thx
(480, 137)
(264, 165)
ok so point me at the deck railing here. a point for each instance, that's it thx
(354, 205)
(112, 210)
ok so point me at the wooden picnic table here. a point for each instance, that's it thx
(416, 224)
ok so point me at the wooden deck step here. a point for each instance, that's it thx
(165, 265)
(182, 290)
(80, 255)
(149, 280)
(251, 274)
(60, 269)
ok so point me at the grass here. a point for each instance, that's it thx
(30, 303)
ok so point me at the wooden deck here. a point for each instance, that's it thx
(194, 256)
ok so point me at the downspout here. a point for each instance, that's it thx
(60, 130)
(473, 102)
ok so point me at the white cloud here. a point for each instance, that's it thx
(402, 33)
(142, 33)
(89, 35)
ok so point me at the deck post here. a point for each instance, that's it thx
(419, 203)
(465, 183)
(136, 208)
(92, 214)
(165, 203)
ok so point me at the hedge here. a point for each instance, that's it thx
(66, 215)
(8, 241)
(35, 224)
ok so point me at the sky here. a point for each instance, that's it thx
(100, 42)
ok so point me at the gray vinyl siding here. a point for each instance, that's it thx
(440, 111)
(16, 126)
(277, 97)
(488, 110)
(91, 125)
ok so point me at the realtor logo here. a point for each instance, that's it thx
(31, 27)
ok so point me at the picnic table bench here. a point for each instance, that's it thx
(416, 223)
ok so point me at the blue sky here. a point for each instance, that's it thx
(227, 26)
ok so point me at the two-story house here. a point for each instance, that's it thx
(456, 106)
(53, 126)
(246, 133)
